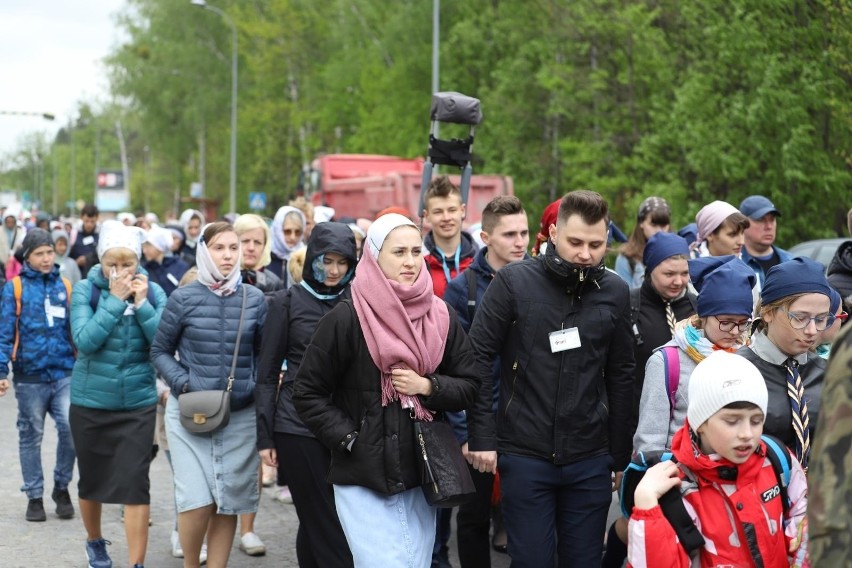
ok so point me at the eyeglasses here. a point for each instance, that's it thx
(801, 321)
(842, 316)
(728, 325)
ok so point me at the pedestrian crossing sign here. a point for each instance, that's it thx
(257, 201)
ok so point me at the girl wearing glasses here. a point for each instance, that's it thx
(794, 310)
(724, 285)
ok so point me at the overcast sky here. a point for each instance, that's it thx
(50, 58)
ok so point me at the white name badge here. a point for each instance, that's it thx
(564, 339)
(171, 278)
(56, 311)
(88, 240)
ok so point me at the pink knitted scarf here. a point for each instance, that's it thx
(405, 327)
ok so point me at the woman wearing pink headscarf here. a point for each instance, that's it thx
(394, 352)
(721, 230)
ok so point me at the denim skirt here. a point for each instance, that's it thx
(386, 530)
(220, 468)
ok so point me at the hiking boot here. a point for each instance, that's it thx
(35, 511)
(97, 554)
(64, 508)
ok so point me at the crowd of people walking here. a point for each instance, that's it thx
(380, 375)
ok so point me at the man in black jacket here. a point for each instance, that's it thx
(560, 324)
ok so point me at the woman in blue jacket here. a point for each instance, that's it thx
(215, 473)
(114, 316)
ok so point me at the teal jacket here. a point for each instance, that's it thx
(113, 369)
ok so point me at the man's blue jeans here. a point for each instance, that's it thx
(35, 401)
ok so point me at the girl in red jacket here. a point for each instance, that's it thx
(727, 483)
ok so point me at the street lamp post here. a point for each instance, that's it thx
(233, 179)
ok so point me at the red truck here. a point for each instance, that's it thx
(361, 185)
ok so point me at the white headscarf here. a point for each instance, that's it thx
(161, 239)
(378, 231)
(279, 245)
(208, 272)
(115, 234)
(184, 220)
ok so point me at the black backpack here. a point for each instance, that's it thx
(672, 504)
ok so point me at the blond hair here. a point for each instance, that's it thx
(249, 222)
(296, 264)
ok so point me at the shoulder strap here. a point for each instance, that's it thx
(239, 336)
(674, 511)
(635, 304)
(18, 289)
(671, 360)
(67, 289)
(782, 464)
(471, 294)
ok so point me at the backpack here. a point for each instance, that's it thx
(672, 504)
(18, 289)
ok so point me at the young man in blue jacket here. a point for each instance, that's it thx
(506, 234)
(35, 338)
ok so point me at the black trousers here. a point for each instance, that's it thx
(473, 523)
(320, 542)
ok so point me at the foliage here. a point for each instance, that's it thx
(688, 100)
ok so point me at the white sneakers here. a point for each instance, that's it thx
(251, 544)
(282, 495)
(177, 551)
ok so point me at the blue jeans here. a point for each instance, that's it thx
(386, 530)
(35, 400)
(549, 507)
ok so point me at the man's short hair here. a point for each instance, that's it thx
(589, 205)
(442, 187)
(89, 210)
(498, 208)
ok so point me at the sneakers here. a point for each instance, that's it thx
(177, 551)
(282, 494)
(97, 554)
(251, 544)
(64, 508)
(35, 510)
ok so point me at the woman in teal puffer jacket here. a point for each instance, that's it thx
(114, 317)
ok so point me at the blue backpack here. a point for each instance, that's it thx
(672, 504)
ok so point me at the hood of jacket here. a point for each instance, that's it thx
(713, 468)
(842, 261)
(325, 238)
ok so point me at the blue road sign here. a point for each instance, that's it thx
(257, 201)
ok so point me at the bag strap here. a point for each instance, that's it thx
(781, 462)
(635, 305)
(470, 276)
(239, 336)
(17, 288)
(671, 359)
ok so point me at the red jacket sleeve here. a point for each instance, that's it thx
(651, 541)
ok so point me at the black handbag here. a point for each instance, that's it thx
(203, 412)
(446, 477)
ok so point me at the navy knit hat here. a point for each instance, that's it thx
(796, 276)
(835, 298)
(661, 246)
(724, 285)
(35, 238)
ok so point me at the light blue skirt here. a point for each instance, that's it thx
(218, 468)
(386, 530)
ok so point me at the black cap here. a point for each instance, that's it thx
(35, 238)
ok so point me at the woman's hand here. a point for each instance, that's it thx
(139, 287)
(655, 483)
(269, 457)
(120, 284)
(407, 382)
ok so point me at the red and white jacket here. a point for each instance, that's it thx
(742, 521)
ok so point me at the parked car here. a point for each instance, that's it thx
(821, 250)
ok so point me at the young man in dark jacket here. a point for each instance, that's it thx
(37, 340)
(560, 324)
(506, 234)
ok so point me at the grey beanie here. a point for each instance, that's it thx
(35, 238)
